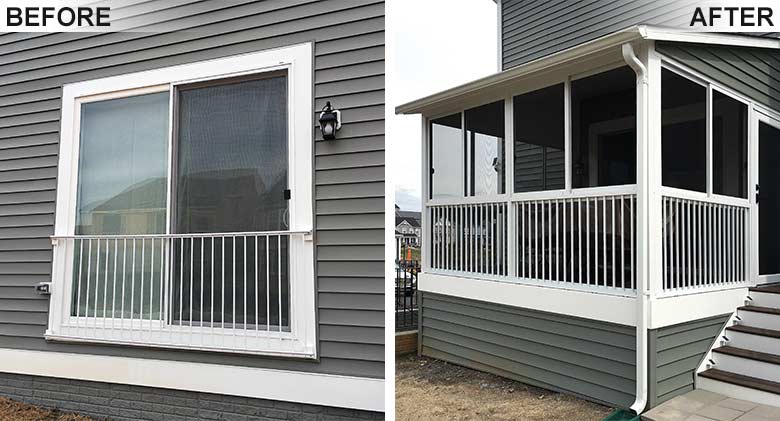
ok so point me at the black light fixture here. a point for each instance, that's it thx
(330, 121)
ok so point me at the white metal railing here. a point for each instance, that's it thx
(705, 243)
(469, 238)
(578, 241)
(585, 239)
(232, 292)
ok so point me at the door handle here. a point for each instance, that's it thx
(757, 192)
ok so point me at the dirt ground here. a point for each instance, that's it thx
(429, 389)
(17, 411)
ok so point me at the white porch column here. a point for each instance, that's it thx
(425, 227)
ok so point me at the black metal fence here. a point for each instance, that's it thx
(406, 272)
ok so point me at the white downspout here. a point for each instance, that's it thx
(643, 292)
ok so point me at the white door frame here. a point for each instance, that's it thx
(758, 116)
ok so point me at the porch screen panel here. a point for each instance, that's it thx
(539, 161)
(769, 199)
(729, 146)
(122, 188)
(604, 129)
(231, 176)
(447, 157)
(683, 132)
(485, 143)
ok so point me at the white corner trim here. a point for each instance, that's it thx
(290, 386)
(668, 311)
(500, 35)
(587, 305)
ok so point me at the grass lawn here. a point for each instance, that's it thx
(17, 411)
(429, 389)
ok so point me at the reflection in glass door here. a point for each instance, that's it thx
(768, 198)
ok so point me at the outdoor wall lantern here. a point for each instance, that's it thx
(330, 121)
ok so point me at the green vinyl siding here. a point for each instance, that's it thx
(675, 352)
(592, 359)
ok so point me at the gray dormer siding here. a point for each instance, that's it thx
(535, 28)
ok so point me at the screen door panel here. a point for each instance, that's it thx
(231, 173)
(768, 199)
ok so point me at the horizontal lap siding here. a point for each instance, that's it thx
(753, 72)
(532, 29)
(592, 359)
(675, 353)
(348, 177)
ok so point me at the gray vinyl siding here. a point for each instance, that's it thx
(535, 28)
(592, 359)
(753, 72)
(348, 176)
(675, 353)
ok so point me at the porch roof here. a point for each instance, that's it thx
(500, 81)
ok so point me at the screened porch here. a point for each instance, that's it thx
(591, 174)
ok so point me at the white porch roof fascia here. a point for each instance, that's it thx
(613, 40)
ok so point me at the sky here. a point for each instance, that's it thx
(441, 44)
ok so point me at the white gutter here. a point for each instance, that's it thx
(540, 64)
(643, 295)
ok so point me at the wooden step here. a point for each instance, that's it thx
(758, 309)
(740, 380)
(771, 289)
(755, 331)
(746, 353)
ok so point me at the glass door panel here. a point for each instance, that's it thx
(122, 189)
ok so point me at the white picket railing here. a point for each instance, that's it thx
(573, 240)
(230, 292)
(580, 240)
(469, 238)
(705, 243)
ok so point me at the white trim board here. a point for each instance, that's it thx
(606, 308)
(668, 311)
(290, 386)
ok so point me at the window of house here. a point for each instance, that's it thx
(729, 146)
(539, 157)
(485, 149)
(447, 157)
(603, 129)
(683, 132)
(184, 207)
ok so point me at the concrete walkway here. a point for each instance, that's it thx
(701, 405)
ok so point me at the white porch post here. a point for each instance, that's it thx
(655, 223)
(425, 231)
(509, 134)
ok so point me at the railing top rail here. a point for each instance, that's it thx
(676, 193)
(607, 191)
(604, 191)
(188, 235)
(469, 200)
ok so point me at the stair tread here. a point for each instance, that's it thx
(740, 380)
(746, 353)
(771, 289)
(759, 309)
(755, 331)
